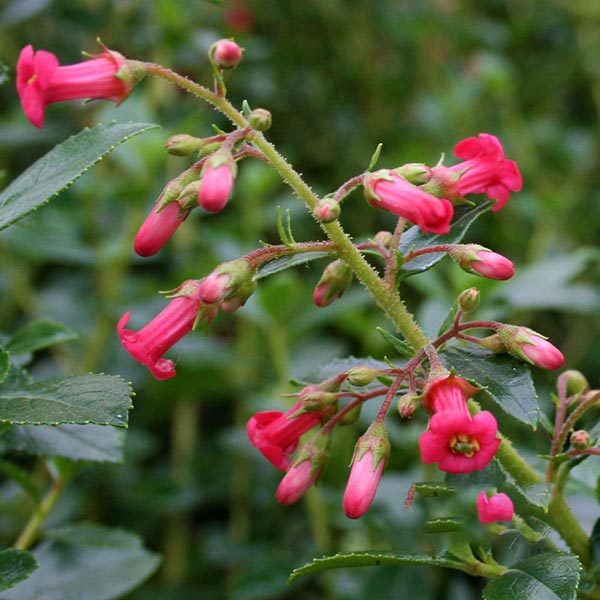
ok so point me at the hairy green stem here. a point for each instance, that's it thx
(387, 299)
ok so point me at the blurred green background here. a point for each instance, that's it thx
(339, 78)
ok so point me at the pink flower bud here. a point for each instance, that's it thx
(335, 280)
(531, 347)
(468, 299)
(580, 439)
(498, 507)
(229, 280)
(295, 482)
(328, 210)
(476, 259)
(42, 81)
(225, 54)
(389, 191)
(158, 228)
(216, 183)
(370, 457)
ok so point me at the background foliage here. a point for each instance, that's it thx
(339, 77)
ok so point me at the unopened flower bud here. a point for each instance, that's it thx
(384, 238)
(362, 375)
(216, 182)
(328, 210)
(526, 344)
(225, 54)
(225, 281)
(408, 403)
(576, 382)
(468, 299)
(183, 144)
(481, 261)
(498, 507)
(317, 400)
(260, 119)
(416, 173)
(335, 280)
(370, 457)
(351, 416)
(159, 226)
(305, 469)
(580, 439)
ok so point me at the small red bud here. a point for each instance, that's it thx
(225, 54)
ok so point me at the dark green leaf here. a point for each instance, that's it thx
(433, 490)
(39, 334)
(15, 565)
(99, 443)
(99, 399)
(442, 526)
(59, 168)
(548, 576)
(595, 548)
(86, 561)
(402, 347)
(371, 559)
(492, 475)
(415, 239)
(507, 380)
(287, 262)
(4, 364)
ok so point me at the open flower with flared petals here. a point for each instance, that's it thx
(149, 344)
(459, 442)
(42, 81)
(497, 507)
(486, 170)
(276, 434)
(389, 191)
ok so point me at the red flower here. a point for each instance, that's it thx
(149, 343)
(362, 484)
(458, 442)
(448, 392)
(487, 171)
(276, 434)
(498, 507)
(387, 190)
(296, 481)
(158, 228)
(41, 80)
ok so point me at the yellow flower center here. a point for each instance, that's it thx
(464, 444)
(32, 79)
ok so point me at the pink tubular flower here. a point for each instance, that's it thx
(486, 169)
(498, 507)
(216, 183)
(448, 392)
(458, 442)
(387, 190)
(370, 457)
(295, 482)
(149, 343)
(276, 434)
(158, 228)
(41, 80)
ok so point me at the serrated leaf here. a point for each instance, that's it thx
(287, 262)
(86, 561)
(492, 475)
(372, 559)
(402, 347)
(60, 167)
(38, 335)
(548, 576)
(442, 526)
(15, 565)
(98, 399)
(98, 443)
(433, 490)
(4, 364)
(415, 239)
(507, 380)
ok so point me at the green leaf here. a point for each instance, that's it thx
(15, 565)
(548, 576)
(86, 561)
(60, 167)
(507, 380)
(4, 364)
(99, 399)
(98, 443)
(402, 347)
(595, 548)
(442, 526)
(415, 239)
(38, 335)
(372, 559)
(428, 489)
(287, 262)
